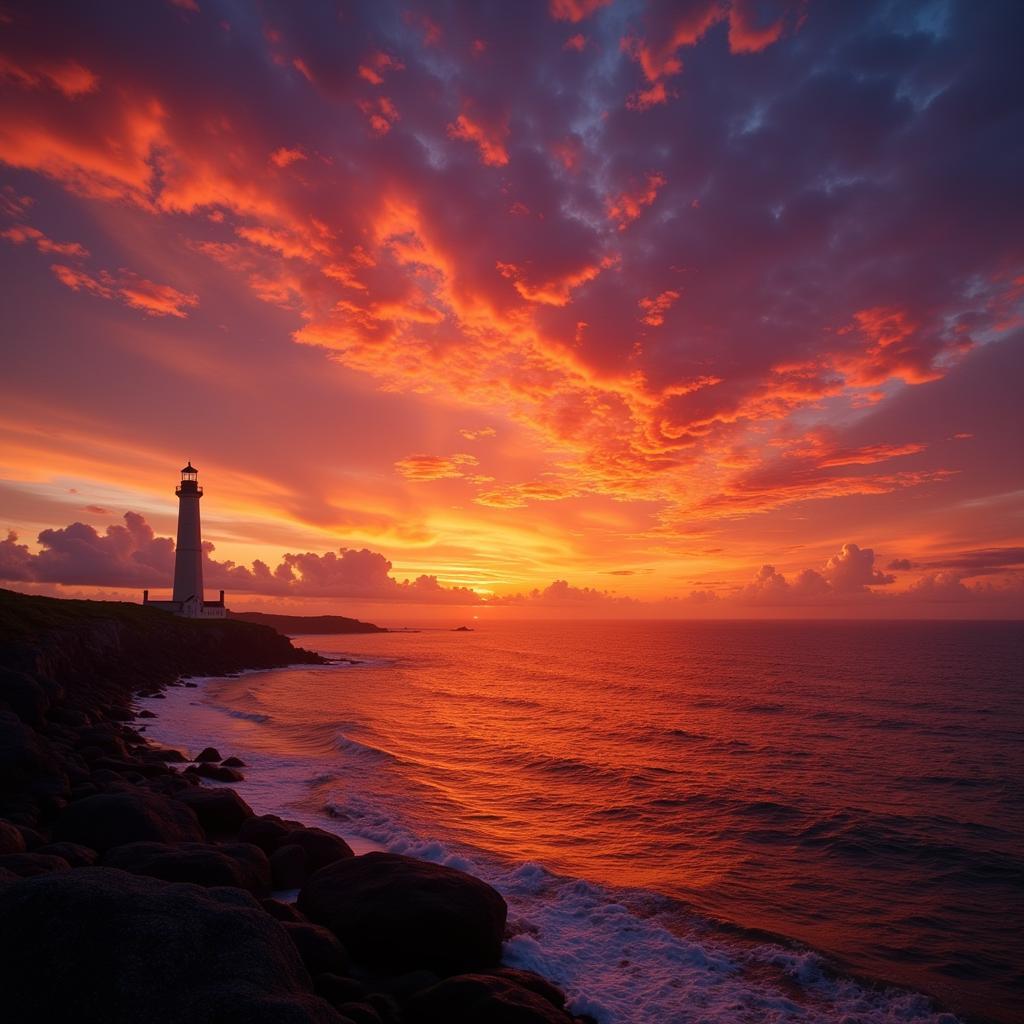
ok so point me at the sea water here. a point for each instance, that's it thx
(690, 821)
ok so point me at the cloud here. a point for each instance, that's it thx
(489, 140)
(477, 434)
(575, 10)
(853, 569)
(132, 289)
(24, 233)
(435, 467)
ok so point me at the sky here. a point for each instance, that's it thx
(555, 307)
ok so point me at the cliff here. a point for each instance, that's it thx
(296, 624)
(89, 651)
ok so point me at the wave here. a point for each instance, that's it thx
(630, 957)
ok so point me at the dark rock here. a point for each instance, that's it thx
(282, 911)
(140, 768)
(404, 913)
(209, 754)
(337, 989)
(145, 713)
(233, 762)
(534, 982)
(237, 864)
(321, 952)
(216, 772)
(322, 848)
(265, 830)
(114, 819)
(120, 714)
(288, 866)
(132, 949)
(165, 754)
(405, 985)
(84, 789)
(28, 698)
(482, 999)
(28, 764)
(69, 716)
(76, 855)
(32, 839)
(191, 686)
(221, 812)
(11, 839)
(25, 865)
(360, 1013)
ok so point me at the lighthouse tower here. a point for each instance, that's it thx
(188, 554)
(187, 599)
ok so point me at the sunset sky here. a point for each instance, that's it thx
(561, 307)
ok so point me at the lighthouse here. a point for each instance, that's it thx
(187, 598)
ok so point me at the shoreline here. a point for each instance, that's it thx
(121, 872)
(831, 969)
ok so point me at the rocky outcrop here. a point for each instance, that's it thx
(408, 914)
(128, 949)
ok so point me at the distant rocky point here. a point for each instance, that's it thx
(292, 625)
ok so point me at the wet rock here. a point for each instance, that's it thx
(322, 848)
(407, 914)
(28, 698)
(233, 762)
(239, 864)
(337, 988)
(76, 855)
(534, 982)
(165, 754)
(321, 952)
(217, 772)
(11, 839)
(288, 866)
(116, 818)
(209, 754)
(360, 1013)
(482, 999)
(146, 950)
(265, 830)
(25, 865)
(282, 911)
(221, 812)
(145, 713)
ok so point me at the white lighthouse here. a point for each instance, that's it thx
(187, 599)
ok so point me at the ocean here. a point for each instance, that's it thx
(691, 822)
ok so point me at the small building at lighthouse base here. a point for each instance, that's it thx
(191, 608)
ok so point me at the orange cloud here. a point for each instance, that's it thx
(488, 140)
(377, 65)
(624, 208)
(69, 77)
(23, 233)
(133, 290)
(556, 291)
(434, 467)
(576, 43)
(381, 113)
(656, 308)
(284, 157)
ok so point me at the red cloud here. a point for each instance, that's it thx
(23, 233)
(69, 77)
(656, 308)
(283, 157)
(575, 10)
(133, 290)
(490, 141)
(624, 208)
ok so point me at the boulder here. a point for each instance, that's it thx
(233, 762)
(321, 952)
(281, 910)
(113, 819)
(266, 831)
(482, 999)
(11, 839)
(288, 866)
(25, 865)
(132, 949)
(76, 855)
(221, 812)
(337, 988)
(27, 697)
(238, 864)
(394, 911)
(322, 848)
(216, 772)
(209, 754)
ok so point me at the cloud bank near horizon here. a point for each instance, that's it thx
(133, 556)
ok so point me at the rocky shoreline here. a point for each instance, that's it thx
(131, 888)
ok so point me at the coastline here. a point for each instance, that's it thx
(121, 874)
(615, 923)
